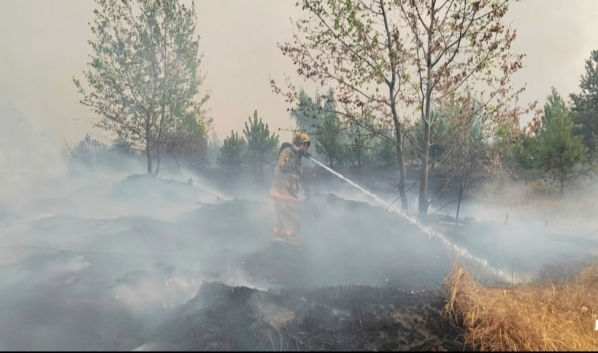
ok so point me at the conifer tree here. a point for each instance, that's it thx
(261, 144)
(232, 151)
(558, 150)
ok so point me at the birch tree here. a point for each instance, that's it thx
(143, 78)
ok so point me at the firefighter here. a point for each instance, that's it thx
(285, 188)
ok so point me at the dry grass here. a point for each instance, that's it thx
(530, 316)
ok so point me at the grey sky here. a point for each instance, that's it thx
(43, 43)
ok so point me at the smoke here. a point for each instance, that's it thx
(104, 240)
(427, 230)
(27, 153)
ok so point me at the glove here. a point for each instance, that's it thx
(304, 153)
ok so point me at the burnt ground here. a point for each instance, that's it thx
(210, 278)
(332, 318)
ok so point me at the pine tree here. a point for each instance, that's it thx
(261, 145)
(328, 140)
(558, 149)
(584, 110)
(232, 151)
(319, 119)
(328, 134)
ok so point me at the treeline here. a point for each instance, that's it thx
(443, 104)
(434, 81)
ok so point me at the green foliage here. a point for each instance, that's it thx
(261, 145)
(86, 153)
(358, 150)
(187, 142)
(232, 151)
(466, 145)
(438, 133)
(584, 110)
(319, 119)
(328, 140)
(328, 136)
(144, 75)
(557, 150)
(554, 109)
(524, 150)
(386, 153)
(307, 113)
(393, 60)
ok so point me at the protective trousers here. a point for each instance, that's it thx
(287, 218)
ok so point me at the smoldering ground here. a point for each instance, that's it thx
(116, 260)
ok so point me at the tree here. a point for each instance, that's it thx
(584, 109)
(386, 154)
(524, 150)
(438, 132)
(144, 74)
(558, 150)
(187, 143)
(328, 141)
(87, 152)
(419, 52)
(123, 147)
(232, 151)
(318, 118)
(307, 112)
(466, 140)
(357, 145)
(452, 46)
(261, 145)
(351, 46)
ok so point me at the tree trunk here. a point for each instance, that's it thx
(261, 170)
(158, 160)
(148, 148)
(562, 181)
(458, 206)
(460, 194)
(358, 157)
(423, 188)
(400, 156)
(395, 116)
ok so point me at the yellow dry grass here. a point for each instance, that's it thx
(526, 317)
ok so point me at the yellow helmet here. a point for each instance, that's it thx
(300, 137)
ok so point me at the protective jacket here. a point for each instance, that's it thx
(287, 173)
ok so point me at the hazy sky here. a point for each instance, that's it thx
(43, 44)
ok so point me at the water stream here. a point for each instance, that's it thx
(461, 252)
